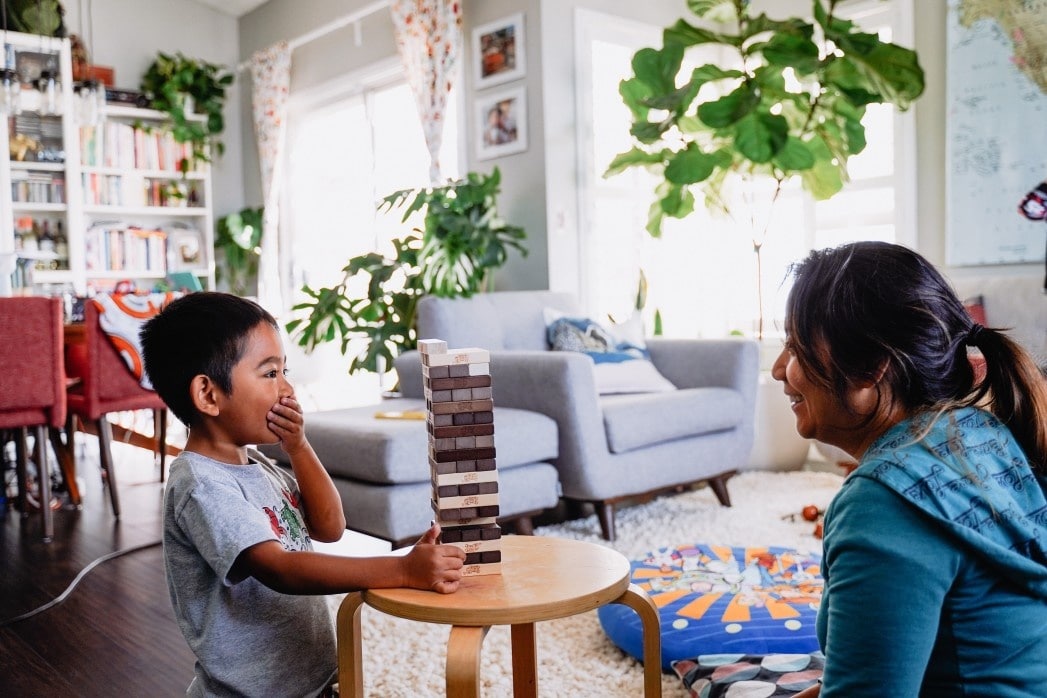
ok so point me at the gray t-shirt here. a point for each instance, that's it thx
(248, 639)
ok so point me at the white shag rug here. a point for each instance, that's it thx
(575, 658)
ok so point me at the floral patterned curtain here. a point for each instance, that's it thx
(429, 37)
(271, 80)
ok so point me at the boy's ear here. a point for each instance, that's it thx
(202, 391)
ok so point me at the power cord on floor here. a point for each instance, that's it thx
(72, 585)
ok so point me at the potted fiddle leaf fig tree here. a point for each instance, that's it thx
(786, 103)
(462, 241)
(181, 87)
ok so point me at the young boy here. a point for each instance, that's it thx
(237, 529)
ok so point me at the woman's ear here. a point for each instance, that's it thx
(203, 393)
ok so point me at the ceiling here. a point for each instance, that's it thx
(235, 8)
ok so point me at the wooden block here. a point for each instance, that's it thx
(471, 355)
(481, 570)
(444, 468)
(445, 444)
(459, 371)
(464, 430)
(441, 395)
(435, 371)
(484, 464)
(481, 441)
(458, 407)
(471, 534)
(465, 382)
(468, 523)
(432, 346)
(483, 557)
(482, 393)
(462, 503)
(442, 420)
(468, 442)
(484, 417)
(463, 419)
(475, 547)
(465, 515)
(444, 486)
(461, 454)
(462, 394)
(480, 369)
(470, 476)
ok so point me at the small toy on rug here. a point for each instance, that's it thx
(811, 513)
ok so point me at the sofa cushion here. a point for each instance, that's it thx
(639, 420)
(353, 443)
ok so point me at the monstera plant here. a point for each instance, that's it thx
(786, 101)
(462, 241)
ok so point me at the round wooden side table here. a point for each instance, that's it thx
(541, 579)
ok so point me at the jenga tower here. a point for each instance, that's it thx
(460, 420)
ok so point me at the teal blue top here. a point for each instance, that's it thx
(935, 566)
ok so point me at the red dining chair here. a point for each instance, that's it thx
(107, 385)
(32, 386)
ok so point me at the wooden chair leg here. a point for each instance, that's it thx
(21, 466)
(160, 430)
(43, 474)
(105, 456)
(718, 485)
(66, 455)
(605, 512)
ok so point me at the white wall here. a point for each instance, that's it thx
(127, 35)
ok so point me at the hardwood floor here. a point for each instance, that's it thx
(115, 634)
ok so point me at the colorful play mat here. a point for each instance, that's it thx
(715, 599)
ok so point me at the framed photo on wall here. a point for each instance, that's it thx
(498, 51)
(501, 123)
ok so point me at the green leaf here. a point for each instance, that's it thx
(760, 136)
(730, 108)
(658, 68)
(689, 166)
(825, 179)
(794, 156)
(684, 35)
(632, 158)
(789, 50)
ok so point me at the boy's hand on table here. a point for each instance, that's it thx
(432, 566)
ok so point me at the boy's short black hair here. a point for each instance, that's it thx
(200, 333)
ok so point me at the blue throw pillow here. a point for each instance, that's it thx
(620, 366)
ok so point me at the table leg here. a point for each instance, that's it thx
(525, 660)
(350, 652)
(638, 600)
(463, 660)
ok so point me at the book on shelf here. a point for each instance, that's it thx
(119, 247)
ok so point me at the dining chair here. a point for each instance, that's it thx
(32, 387)
(106, 385)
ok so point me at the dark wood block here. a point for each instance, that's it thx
(464, 430)
(463, 382)
(462, 454)
(461, 406)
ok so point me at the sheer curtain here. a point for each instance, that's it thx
(429, 38)
(270, 79)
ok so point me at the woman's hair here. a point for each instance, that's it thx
(886, 315)
(202, 333)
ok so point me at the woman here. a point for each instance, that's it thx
(935, 549)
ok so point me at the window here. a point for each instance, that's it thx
(702, 272)
(350, 145)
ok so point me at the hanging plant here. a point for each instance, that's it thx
(181, 87)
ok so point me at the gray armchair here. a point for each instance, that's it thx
(611, 447)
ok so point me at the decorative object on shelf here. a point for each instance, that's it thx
(788, 103)
(499, 52)
(185, 250)
(43, 17)
(237, 243)
(501, 123)
(462, 242)
(181, 86)
(10, 87)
